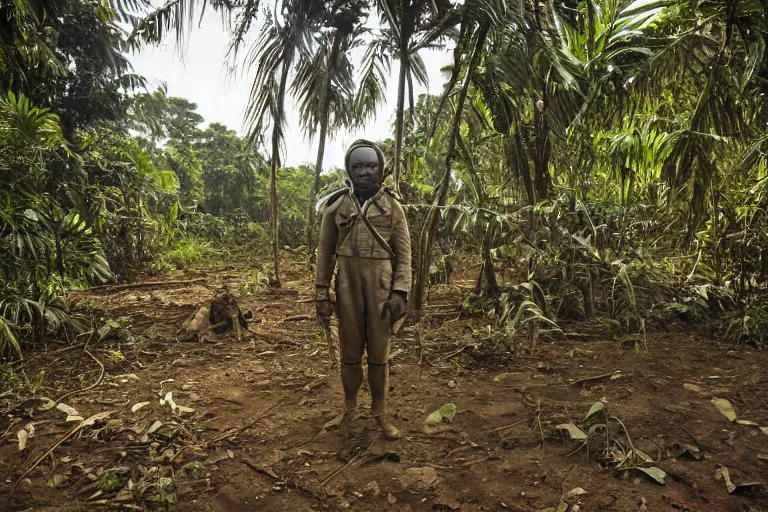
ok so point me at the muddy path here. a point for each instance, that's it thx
(243, 429)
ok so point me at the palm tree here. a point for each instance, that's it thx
(473, 35)
(325, 87)
(409, 26)
(273, 55)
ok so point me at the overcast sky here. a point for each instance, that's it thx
(200, 75)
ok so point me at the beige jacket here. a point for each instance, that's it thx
(344, 233)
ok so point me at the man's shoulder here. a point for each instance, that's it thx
(333, 199)
(391, 195)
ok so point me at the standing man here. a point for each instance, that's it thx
(365, 228)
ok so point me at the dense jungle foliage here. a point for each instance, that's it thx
(608, 155)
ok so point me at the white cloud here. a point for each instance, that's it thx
(200, 74)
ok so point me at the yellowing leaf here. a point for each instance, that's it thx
(23, 435)
(69, 410)
(444, 413)
(138, 406)
(725, 407)
(764, 430)
(573, 431)
(96, 417)
(576, 491)
(335, 422)
(155, 427)
(56, 480)
(692, 387)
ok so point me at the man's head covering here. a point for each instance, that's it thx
(362, 143)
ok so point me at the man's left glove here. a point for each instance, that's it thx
(397, 306)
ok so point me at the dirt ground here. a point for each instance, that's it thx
(244, 429)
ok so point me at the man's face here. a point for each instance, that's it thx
(364, 170)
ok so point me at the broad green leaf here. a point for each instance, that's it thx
(596, 408)
(445, 412)
(656, 474)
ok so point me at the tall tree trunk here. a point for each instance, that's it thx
(400, 121)
(487, 280)
(491, 287)
(329, 68)
(430, 224)
(523, 169)
(542, 146)
(273, 205)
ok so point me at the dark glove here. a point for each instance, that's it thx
(324, 310)
(396, 306)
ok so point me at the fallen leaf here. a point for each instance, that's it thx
(747, 422)
(575, 432)
(139, 406)
(725, 407)
(444, 413)
(23, 435)
(762, 457)
(155, 427)
(71, 411)
(722, 473)
(391, 499)
(687, 450)
(749, 488)
(74, 418)
(656, 474)
(96, 417)
(169, 400)
(692, 387)
(184, 409)
(56, 480)
(746, 488)
(335, 422)
(419, 478)
(764, 430)
(576, 491)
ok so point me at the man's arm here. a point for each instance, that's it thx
(400, 240)
(326, 250)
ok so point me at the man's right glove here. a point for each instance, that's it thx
(323, 306)
(324, 310)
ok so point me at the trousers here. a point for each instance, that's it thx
(363, 286)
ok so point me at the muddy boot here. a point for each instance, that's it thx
(389, 429)
(378, 380)
(351, 380)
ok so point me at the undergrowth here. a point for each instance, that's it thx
(185, 252)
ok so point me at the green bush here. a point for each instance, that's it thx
(184, 253)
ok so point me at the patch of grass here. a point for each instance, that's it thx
(186, 252)
(8, 378)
